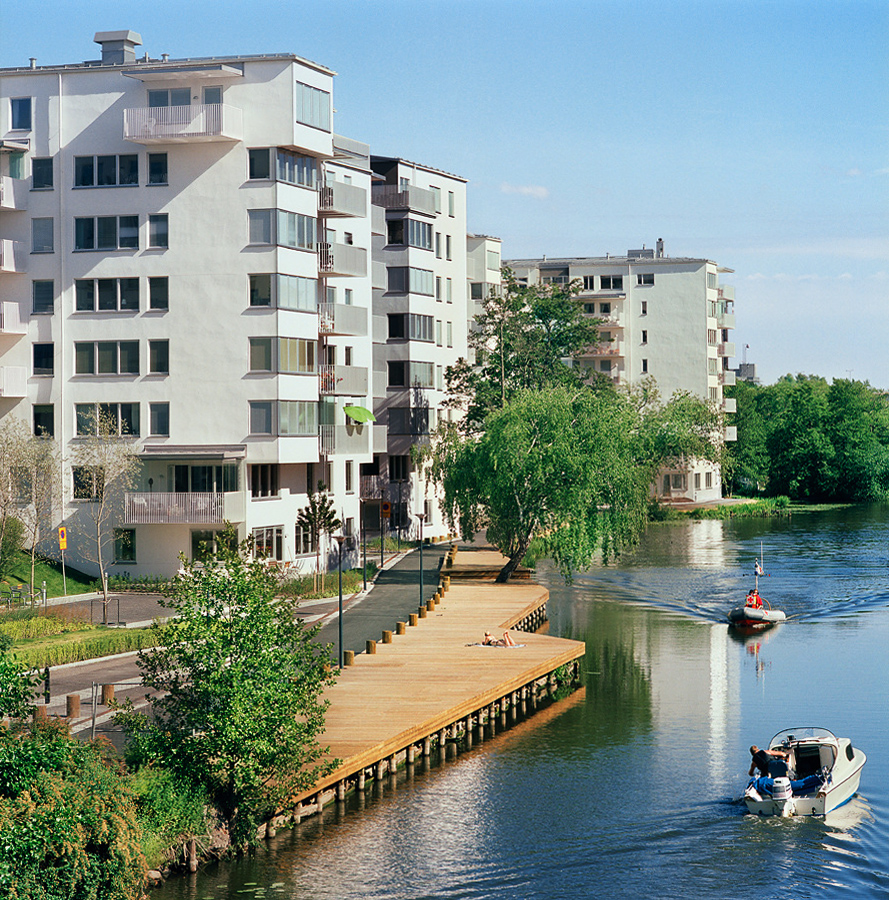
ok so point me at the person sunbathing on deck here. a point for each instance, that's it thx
(507, 641)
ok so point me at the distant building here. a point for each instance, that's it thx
(667, 318)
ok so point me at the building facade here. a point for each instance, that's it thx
(185, 251)
(665, 318)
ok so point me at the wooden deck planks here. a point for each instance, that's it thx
(436, 673)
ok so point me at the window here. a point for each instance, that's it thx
(708, 479)
(259, 226)
(410, 326)
(438, 245)
(712, 280)
(711, 367)
(644, 310)
(159, 357)
(350, 476)
(605, 365)
(268, 543)
(124, 545)
(395, 231)
(106, 295)
(644, 366)
(644, 337)
(44, 420)
(589, 309)
(448, 246)
(605, 309)
(493, 260)
(174, 97)
(106, 171)
(438, 287)
(449, 333)
(110, 418)
(404, 280)
(212, 95)
(451, 203)
(88, 482)
(264, 480)
(438, 332)
(449, 290)
(419, 234)
(296, 230)
(260, 290)
(437, 192)
(712, 337)
(43, 359)
(295, 169)
(713, 394)
(298, 417)
(422, 374)
(106, 233)
(41, 174)
(297, 356)
(645, 278)
(258, 165)
(408, 420)
(298, 293)
(589, 282)
(397, 373)
(304, 543)
(157, 168)
(106, 358)
(42, 236)
(159, 292)
(20, 113)
(159, 419)
(261, 420)
(159, 231)
(399, 468)
(614, 282)
(261, 354)
(42, 297)
(312, 106)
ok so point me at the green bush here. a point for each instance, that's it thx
(28, 623)
(106, 643)
(11, 544)
(67, 820)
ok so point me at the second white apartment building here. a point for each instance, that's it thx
(661, 317)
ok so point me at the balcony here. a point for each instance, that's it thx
(417, 199)
(373, 487)
(11, 256)
(349, 381)
(13, 381)
(339, 319)
(341, 199)
(13, 193)
(731, 432)
(727, 377)
(729, 404)
(609, 348)
(160, 508)
(380, 439)
(341, 259)
(726, 349)
(198, 123)
(725, 320)
(10, 318)
(337, 440)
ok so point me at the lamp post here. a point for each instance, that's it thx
(340, 539)
(421, 516)
(363, 513)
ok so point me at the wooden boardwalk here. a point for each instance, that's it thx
(435, 680)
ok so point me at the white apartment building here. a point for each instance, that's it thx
(666, 318)
(420, 316)
(185, 245)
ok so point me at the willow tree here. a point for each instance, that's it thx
(572, 466)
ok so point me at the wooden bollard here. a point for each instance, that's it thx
(107, 694)
(348, 657)
(371, 647)
(39, 713)
(421, 612)
(436, 597)
(427, 746)
(400, 627)
(387, 637)
(430, 605)
(72, 706)
(192, 855)
(413, 619)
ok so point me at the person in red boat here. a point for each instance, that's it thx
(753, 599)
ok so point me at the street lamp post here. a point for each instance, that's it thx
(421, 516)
(340, 539)
(363, 543)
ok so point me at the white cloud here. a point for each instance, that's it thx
(538, 192)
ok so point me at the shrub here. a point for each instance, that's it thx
(67, 819)
(11, 544)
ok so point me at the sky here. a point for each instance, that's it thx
(754, 134)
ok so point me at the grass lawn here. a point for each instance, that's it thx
(51, 573)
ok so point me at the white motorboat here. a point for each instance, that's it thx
(756, 612)
(821, 773)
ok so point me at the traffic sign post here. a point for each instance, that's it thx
(63, 546)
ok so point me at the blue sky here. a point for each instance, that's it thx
(755, 134)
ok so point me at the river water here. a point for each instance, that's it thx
(630, 786)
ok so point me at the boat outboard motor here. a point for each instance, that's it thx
(782, 796)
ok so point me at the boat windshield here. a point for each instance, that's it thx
(805, 733)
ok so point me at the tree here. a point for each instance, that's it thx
(572, 466)
(522, 338)
(239, 682)
(14, 438)
(67, 819)
(39, 477)
(104, 466)
(316, 519)
(746, 461)
(16, 686)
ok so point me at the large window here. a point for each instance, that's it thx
(42, 236)
(42, 297)
(296, 230)
(44, 356)
(312, 106)
(409, 420)
(88, 482)
(174, 97)
(159, 419)
(159, 292)
(41, 174)
(261, 354)
(411, 326)
(284, 291)
(157, 168)
(106, 295)
(297, 417)
(259, 226)
(297, 356)
(405, 280)
(268, 543)
(109, 418)
(613, 282)
(296, 169)
(44, 420)
(106, 358)
(159, 357)
(262, 417)
(124, 545)
(20, 113)
(159, 231)
(264, 480)
(106, 171)
(644, 278)
(106, 233)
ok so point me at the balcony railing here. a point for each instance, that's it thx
(338, 440)
(13, 193)
(731, 432)
(729, 404)
(373, 487)
(160, 508)
(727, 377)
(608, 348)
(727, 348)
(200, 122)
(13, 381)
(341, 259)
(11, 256)
(340, 199)
(350, 381)
(725, 320)
(10, 318)
(410, 197)
(339, 319)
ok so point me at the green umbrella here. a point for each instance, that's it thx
(359, 414)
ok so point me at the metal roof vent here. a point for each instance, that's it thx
(118, 47)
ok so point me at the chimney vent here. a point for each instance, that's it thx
(660, 248)
(118, 47)
(33, 62)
